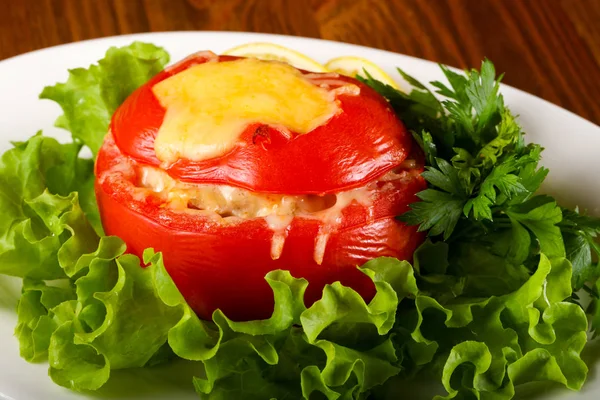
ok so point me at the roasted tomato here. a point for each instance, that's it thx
(235, 167)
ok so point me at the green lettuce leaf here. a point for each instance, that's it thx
(117, 321)
(490, 345)
(114, 314)
(339, 347)
(90, 96)
(35, 323)
(38, 179)
(79, 292)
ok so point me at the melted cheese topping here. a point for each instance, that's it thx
(209, 105)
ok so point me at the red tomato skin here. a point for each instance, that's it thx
(222, 266)
(291, 166)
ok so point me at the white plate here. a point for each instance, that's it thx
(571, 143)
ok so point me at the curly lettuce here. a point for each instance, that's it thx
(90, 96)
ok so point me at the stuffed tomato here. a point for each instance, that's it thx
(234, 167)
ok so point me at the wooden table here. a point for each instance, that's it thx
(550, 48)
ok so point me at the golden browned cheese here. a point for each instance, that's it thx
(209, 105)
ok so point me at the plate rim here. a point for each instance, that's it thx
(258, 35)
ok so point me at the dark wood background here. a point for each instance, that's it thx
(550, 48)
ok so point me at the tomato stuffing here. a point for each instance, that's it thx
(235, 167)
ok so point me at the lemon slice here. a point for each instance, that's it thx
(270, 51)
(352, 66)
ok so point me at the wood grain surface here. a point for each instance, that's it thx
(550, 48)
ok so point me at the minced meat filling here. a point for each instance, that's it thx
(228, 200)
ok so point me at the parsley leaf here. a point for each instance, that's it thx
(501, 179)
(438, 212)
(580, 232)
(541, 215)
(476, 156)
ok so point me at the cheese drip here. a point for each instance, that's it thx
(209, 105)
(222, 201)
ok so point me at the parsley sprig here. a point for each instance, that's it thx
(478, 163)
(483, 181)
